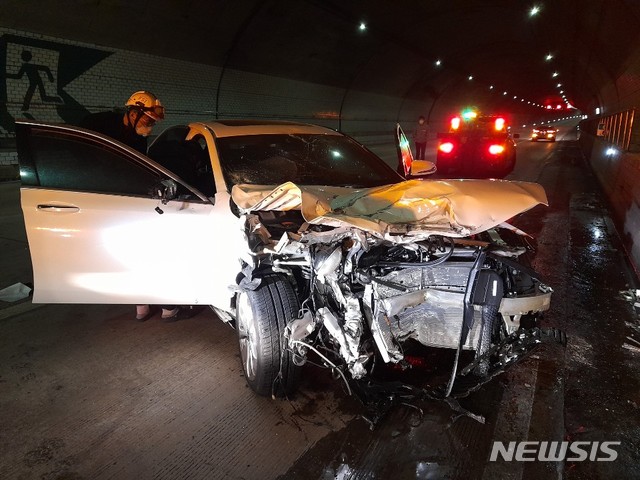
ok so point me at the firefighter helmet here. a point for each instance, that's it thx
(147, 103)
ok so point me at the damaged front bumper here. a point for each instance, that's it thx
(376, 268)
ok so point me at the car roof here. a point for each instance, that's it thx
(231, 128)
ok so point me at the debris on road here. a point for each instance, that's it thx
(15, 292)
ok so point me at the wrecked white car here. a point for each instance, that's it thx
(303, 239)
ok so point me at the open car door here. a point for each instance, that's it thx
(405, 157)
(408, 167)
(106, 224)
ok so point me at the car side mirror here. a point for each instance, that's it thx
(516, 135)
(422, 168)
(165, 190)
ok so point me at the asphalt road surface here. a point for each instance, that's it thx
(89, 393)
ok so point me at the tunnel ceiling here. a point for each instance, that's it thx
(497, 42)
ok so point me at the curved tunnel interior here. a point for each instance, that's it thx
(370, 61)
(361, 68)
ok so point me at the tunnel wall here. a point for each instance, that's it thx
(71, 79)
(619, 170)
(625, 91)
(619, 175)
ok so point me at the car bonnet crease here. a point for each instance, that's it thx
(415, 208)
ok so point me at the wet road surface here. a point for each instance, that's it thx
(90, 393)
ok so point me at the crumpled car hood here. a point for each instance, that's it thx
(401, 211)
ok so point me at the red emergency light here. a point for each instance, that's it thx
(446, 147)
(496, 149)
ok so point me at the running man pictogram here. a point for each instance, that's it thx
(35, 81)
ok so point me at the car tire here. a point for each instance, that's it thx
(534, 140)
(261, 317)
(553, 139)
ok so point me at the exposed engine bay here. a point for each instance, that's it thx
(365, 292)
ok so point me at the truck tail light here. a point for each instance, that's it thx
(446, 147)
(499, 125)
(496, 149)
(455, 123)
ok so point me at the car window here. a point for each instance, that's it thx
(68, 162)
(305, 159)
(189, 159)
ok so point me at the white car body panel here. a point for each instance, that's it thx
(118, 249)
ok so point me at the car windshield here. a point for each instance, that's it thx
(304, 159)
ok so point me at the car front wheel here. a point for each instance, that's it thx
(262, 316)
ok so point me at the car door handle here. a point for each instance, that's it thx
(58, 208)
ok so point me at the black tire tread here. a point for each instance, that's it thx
(274, 303)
